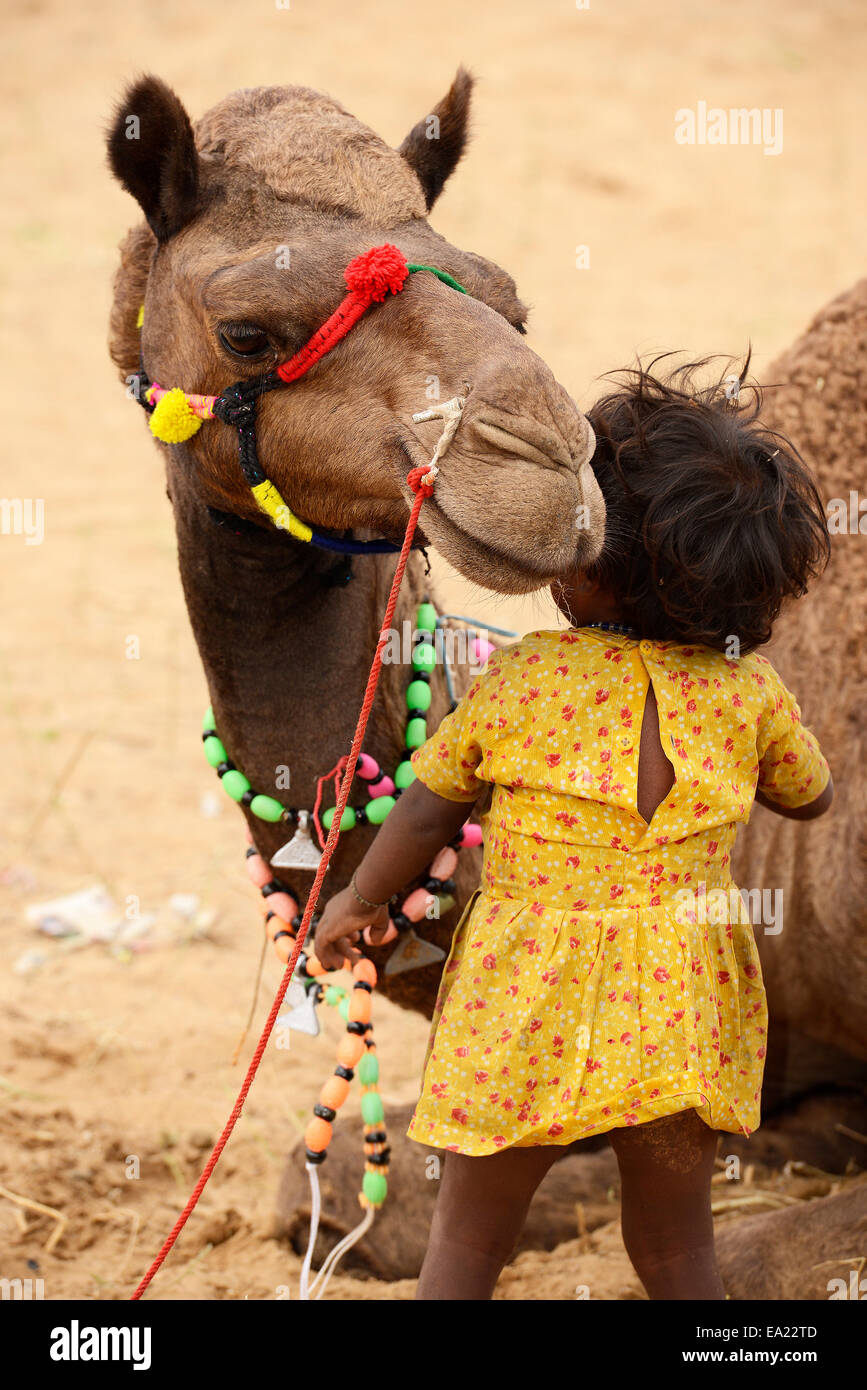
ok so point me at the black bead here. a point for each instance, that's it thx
(346, 1072)
(278, 934)
(325, 1112)
(313, 1157)
(296, 923)
(415, 713)
(251, 850)
(269, 915)
(362, 984)
(433, 885)
(360, 815)
(359, 1028)
(292, 813)
(401, 922)
(424, 639)
(274, 886)
(448, 886)
(398, 792)
(221, 768)
(301, 966)
(422, 676)
(247, 797)
(381, 1159)
(376, 1136)
(209, 733)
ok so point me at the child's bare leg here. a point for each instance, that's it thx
(480, 1210)
(665, 1171)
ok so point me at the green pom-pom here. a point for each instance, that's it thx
(372, 1112)
(235, 784)
(375, 1188)
(378, 808)
(426, 618)
(418, 695)
(266, 808)
(416, 733)
(347, 820)
(368, 1070)
(214, 751)
(424, 657)
(404, 776)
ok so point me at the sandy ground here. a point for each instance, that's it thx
(107, 1056)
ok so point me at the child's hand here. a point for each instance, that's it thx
(341, 925)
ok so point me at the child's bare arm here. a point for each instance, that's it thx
(416, 829)
(815, 808)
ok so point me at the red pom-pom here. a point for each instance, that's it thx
(380, 271)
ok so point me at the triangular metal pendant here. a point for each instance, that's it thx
(301, 1017)
(412, 952)
(300, 852)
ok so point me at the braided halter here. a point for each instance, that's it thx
(175, 416)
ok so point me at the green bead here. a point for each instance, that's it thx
(446, 902)
(343, 1008)
(418, 695)
(404, 776)
(208, 721)
(424, 657)
(416, 733)
(266, 808)
(235, 783)
(334, 994)
(426, 618)
(368, 1070)
(378, 808)
(375, 1187)
(214, 751)
(347, 820)
(372, 1112)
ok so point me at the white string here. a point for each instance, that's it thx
(320, 1283)
(315, 1208)
(450, 412)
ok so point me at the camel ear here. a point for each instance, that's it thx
(152, 152)
(434, 146)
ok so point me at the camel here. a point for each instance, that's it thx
(815, 969)
(250, 221)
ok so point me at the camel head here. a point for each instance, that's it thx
(251, 218)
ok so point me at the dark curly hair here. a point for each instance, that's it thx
(712, 519)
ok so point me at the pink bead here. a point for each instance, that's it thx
(283, 904)
(445, 864)
(258, 870)
(367, 767)
(482, 649)
(416, 905)
(384, 787)
(471, 835)
(389, 935)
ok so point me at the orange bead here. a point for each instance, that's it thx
(284, 947)
(365, 970)
(349, 1049)
(359, 1006)
(317, 1135)
(314, 966)
(334, 1092)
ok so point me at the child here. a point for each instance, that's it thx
(588, 990)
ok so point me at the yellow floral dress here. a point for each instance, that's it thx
(605, 973)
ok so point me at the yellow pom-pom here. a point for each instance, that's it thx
(173, 421)
(140, 316)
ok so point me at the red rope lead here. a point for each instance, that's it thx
(422, 490)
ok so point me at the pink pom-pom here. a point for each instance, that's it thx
(444, 865)
(380, 271)
(258, 870)
(416, 905)
(367, 767)
(283, 905)
(389, 935)
(384, 787)
(471, 835)
(482, 650)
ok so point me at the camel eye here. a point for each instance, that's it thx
(244, 339)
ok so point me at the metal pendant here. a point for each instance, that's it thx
(301, 1016)
(300, 852)
(412, 952)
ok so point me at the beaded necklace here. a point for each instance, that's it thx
(621, 628)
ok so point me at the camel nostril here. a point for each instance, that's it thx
(548, 450)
